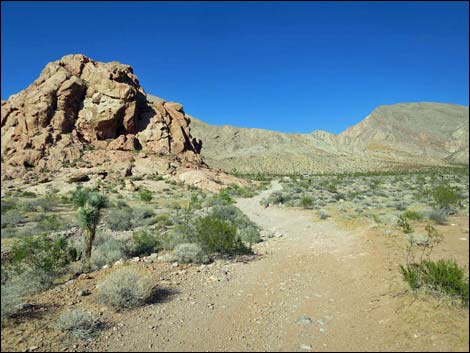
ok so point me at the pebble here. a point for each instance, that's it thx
(306, 347)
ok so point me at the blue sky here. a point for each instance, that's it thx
(286, 66)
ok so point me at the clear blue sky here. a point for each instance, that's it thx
(286, 66)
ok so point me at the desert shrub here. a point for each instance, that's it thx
(413, 215)
(163, 220)
(40, 204)
(445, 196)
(439, 216)
(402, 222)
(28, 194)
(442, 277)
(145, 195)
(125, 288)
(7, 205)
(400, 206)
(39, 254)
(119, 219)
(246, 229)
(238, 191)
(278, 197)
(79, 324)
(143, 243)
(141, 213)
(48, 223)
(10, 301)
(214, 235)
(249, 234)
(306, 202)
(190, 253)
(323, 214)
(332, 188)
(220, 199)
(107, 251)
(11, 218)
(17, 285)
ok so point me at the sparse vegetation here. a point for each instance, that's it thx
(441, 277)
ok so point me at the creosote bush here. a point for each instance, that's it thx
(442, 277)
(46, 258)
(214, 235)
(306, 202)
(445, 196)
(125, 288)
(143, 243)
(145, 195)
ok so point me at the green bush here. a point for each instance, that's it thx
(278, 197)
(28, 194)
(163, 220)
(306, 202)
(143, 243)
(413, 215)
(125, 288)
(39, 253)
(238, 191)
(217, 236)
(246, 229)
(7, 205)
(145, 195)
(442, 277)
(79, 324)
(445, 196)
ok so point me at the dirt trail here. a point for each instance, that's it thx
(316, 288)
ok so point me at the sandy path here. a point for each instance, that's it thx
(339, 281)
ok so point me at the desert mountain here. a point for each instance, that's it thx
(93, 117)
(401, 134)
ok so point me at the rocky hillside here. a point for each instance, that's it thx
(85, 116)
(394, 135)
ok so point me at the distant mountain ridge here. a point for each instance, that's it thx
(404, 134)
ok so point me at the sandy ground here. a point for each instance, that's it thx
(316, 288)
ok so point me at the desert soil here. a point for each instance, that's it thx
(316, 288)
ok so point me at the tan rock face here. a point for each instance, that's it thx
(78, 103)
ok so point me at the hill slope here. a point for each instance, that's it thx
(403, 134)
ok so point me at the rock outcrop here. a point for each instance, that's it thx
(83, 111)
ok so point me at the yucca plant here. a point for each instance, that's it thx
(89, 203)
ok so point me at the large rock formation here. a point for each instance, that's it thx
(83, 111)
